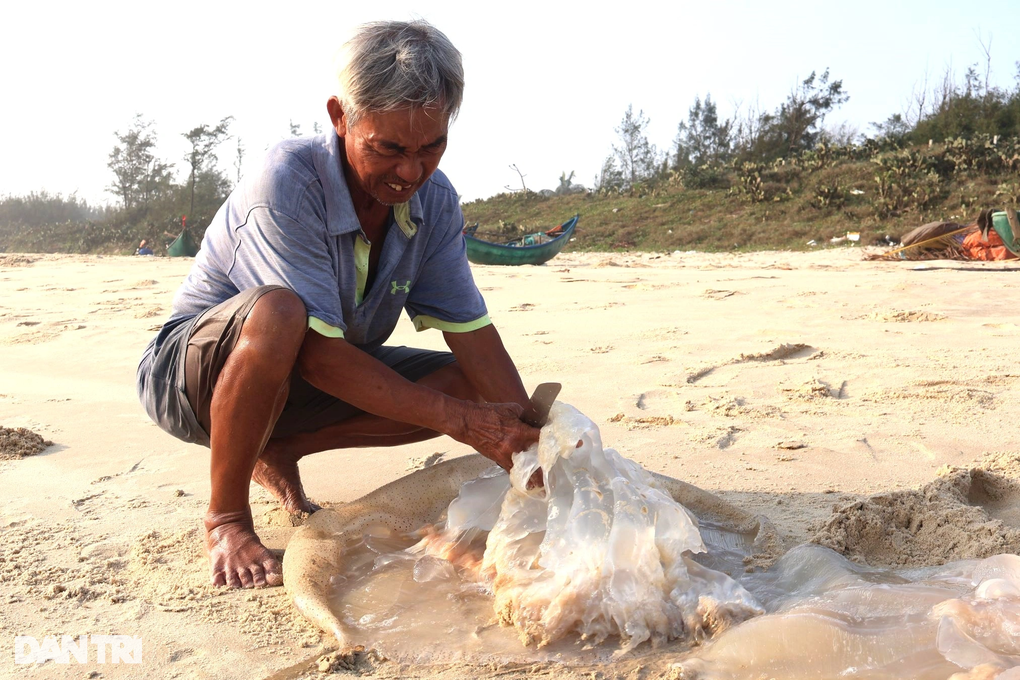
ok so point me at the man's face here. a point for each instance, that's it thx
(390, 155)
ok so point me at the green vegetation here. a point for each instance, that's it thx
(780, 179)
(151, 204)
(878, 188)
(763, 179)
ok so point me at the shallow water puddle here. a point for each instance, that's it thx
(423, 609)
(601, 564)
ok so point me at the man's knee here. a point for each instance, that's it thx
(450, 379)
(273, 331)
(281, 311)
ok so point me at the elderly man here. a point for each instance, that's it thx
(274, 349)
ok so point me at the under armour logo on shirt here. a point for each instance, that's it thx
(406, 288)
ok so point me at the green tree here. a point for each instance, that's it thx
(138, 175)
(202, 157)
(636, 157)
(953, 110)
(895, 128)
(796, 125)
(609, 176)
(702, 139)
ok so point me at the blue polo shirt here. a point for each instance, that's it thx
(293, 224)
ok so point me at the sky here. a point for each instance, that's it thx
(546, 82)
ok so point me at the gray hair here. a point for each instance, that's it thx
(390, 65)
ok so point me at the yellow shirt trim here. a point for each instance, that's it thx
(324, 329)
(402, 216)
(362, 247)
(421, 322)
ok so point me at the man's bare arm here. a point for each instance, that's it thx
(344, 371)
(487, 365)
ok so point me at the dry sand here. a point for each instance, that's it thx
(796, 385)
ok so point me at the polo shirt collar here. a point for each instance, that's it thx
(340, 215)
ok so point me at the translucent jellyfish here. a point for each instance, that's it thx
(601, 550)
(833, 618)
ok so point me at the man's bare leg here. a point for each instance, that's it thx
(277, 467)
(249, 396)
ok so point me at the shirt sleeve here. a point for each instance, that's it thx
(445, 296)
(275, 249)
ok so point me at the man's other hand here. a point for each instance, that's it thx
(497, 432)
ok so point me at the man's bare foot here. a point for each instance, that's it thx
(278, 474)
(237, 557)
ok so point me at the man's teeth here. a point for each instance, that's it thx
(395, 187)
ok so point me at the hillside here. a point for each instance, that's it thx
(875, 188)
(824, 193)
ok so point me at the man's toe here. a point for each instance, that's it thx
(232, 579)
(244, 574)
(258, 575)
(274, 572)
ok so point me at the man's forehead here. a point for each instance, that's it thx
(424, 125)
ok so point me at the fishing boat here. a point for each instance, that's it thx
(531, 249)
(182, 246)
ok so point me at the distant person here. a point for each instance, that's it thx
(274, 348)
(144, 249)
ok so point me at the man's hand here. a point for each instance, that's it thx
(496, 431)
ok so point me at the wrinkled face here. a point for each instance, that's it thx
(391, 154)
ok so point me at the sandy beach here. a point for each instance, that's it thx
(793, 385)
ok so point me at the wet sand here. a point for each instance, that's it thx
(794, 385)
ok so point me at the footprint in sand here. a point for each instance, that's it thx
(662, 333)
(149, 313)
(783, 351)
(723, 441)
(645, 422)
(33, 338)
(719, 294)
(646, 286)
(699, 373)
(906, 316)
(951, 392)
(815, 389)
(662, 399)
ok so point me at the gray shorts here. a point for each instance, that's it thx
(179, 368)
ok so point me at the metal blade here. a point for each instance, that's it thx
(541, 401)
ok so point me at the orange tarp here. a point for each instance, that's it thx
(977, 248)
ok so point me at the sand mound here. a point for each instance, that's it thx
(16, 260)
(963, 514)
(17, 443)
(784, 351)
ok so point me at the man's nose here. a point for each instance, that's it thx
(409, 169)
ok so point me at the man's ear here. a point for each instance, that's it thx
(336, 116)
